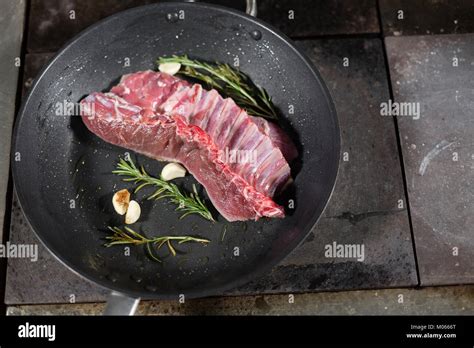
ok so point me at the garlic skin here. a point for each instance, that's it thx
(120, 201)
(133, 212)
(172, 171)
(169, 68)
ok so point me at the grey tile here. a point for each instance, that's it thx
(304, 18)
(52, 23)
(421, 17)
(438, 150)
(388, 259)
(12, 16)
(370, 181)
(457, 300)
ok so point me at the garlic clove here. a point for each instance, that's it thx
(172, 171)
(133, 212)
(169, 68)
(120, 201)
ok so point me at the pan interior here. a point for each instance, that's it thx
(64, 178)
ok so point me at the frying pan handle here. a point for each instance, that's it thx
(121, 304)
(251, 8)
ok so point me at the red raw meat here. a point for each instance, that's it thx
(166, 118)
(231, 128)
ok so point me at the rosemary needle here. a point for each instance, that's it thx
(187, 203)
(229, 81)
(129, 236)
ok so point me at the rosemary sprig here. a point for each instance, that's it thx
(229, 81)
(129, 236)
(188, 203)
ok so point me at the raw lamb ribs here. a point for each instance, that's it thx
(166, 118)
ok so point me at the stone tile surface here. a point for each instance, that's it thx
(364, 208)
(12, 16)
(73, 16)
(421, 17)
(303, 18)
(455, 300)
(438, 150)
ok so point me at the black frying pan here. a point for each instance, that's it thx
(64, 181)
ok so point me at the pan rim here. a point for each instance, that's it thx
(238, 281)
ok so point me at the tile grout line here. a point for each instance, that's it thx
(399, 143)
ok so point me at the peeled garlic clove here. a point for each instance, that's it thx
(133, 212)
(169, 68)
(172, 171)
(120, 201)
